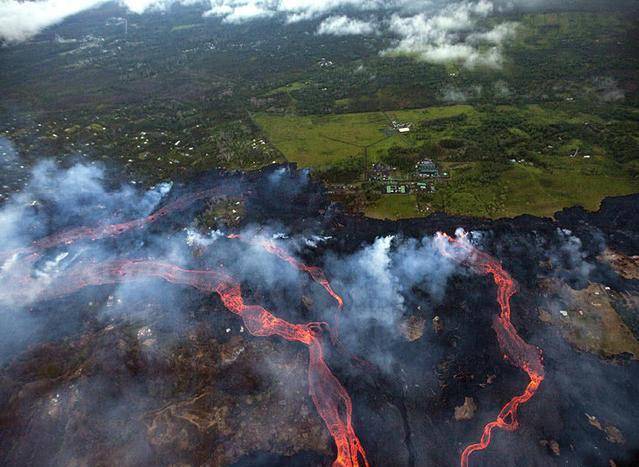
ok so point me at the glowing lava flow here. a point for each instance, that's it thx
(99, 232)
(331, 400)
(515, 349)
(318, 276)
(316, 273)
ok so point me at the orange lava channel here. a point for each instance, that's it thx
(316, 273)
(330, 398)
(521, 354)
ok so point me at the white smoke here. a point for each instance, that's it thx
(66, 195)
(195, 238)
(8, 151)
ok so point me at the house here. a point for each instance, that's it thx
(396, 189)
(400, 127)
(427, 168)
(380, 171)
(430, 187)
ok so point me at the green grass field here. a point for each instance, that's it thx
(295, 86)
(318, 141)
(526, 189)
(394, 207)
(569, 182)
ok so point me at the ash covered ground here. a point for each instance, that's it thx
(153, 373)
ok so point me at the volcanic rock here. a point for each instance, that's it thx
(613, 434)
(182, 410)
(413, 328)
(588, 319)
(552, 445)
(626, 266)
(438, 325)
(153, 393)
(467, 410)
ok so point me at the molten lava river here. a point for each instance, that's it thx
(331, 400)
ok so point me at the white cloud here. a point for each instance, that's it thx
(433, 30)
(140, 6)
(344, 26)
(498, 35)
(291, 10)
(22, 20)
(239, 11)
(450, 34)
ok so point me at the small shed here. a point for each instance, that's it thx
(396, 189)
